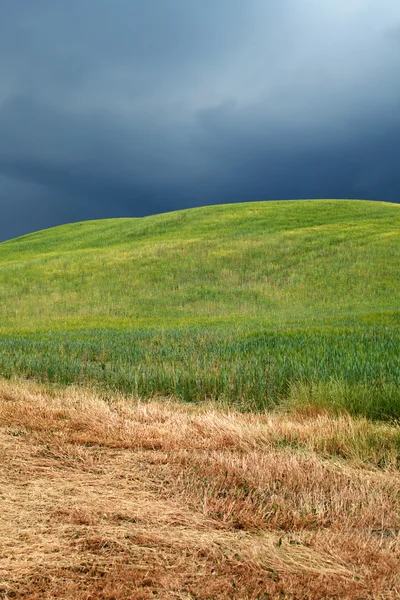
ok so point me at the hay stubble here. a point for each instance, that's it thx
(122, 499)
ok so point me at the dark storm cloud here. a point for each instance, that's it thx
(130, 107)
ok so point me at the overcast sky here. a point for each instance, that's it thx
(130, 107)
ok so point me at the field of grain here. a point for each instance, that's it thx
(345, 369)
(122, 499)
(203, 405)
(252, 305)
(276, 263)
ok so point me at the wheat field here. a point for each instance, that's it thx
(251, 305)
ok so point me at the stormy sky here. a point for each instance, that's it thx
(131, 107)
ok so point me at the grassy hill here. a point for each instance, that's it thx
(275, 261)
(256, 303)
(285, 307)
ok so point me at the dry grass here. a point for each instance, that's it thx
(119, 500)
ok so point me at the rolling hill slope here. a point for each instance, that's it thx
(251, 303)
(274, 261)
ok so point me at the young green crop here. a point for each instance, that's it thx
(255, 304)
(345, 369)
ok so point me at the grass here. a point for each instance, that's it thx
(355, 370)
(278, 477)
(253, 305)
(272, 262)
(122, 499)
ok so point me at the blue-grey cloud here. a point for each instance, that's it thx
(131, 107)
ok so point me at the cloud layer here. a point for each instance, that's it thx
(128, 108)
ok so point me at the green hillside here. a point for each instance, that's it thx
(249, 303)
(274, 261)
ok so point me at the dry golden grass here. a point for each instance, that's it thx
(117, 499)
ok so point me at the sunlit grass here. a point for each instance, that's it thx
(257, 305)
(356, 370)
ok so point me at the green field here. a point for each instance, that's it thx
(257, 305)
